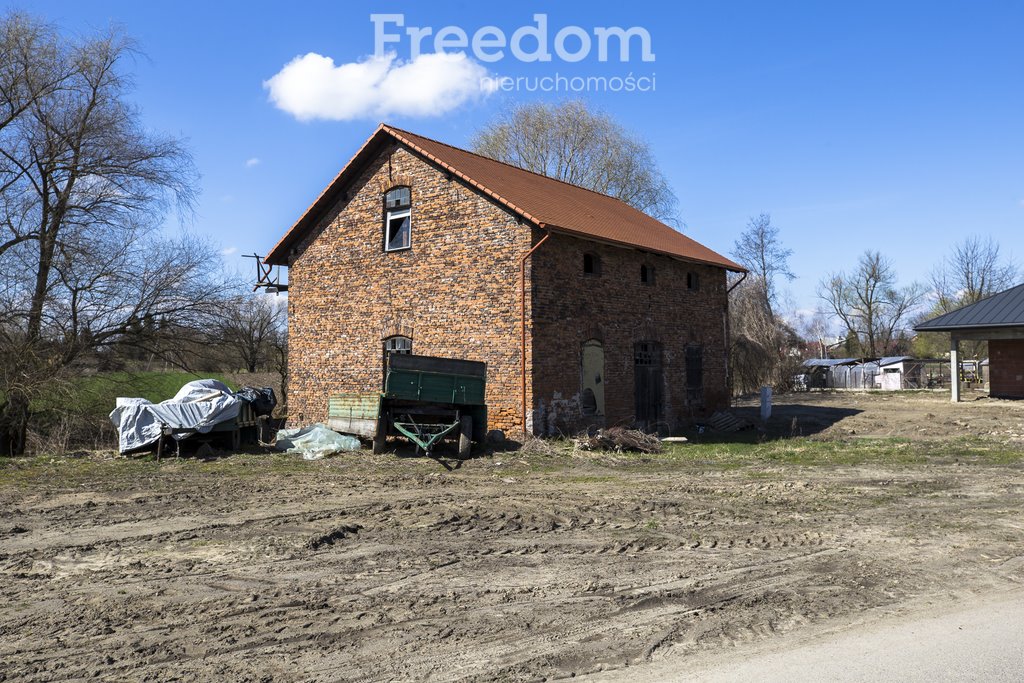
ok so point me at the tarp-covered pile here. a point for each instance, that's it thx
(196, 409)
(314, 442)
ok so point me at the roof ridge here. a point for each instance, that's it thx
(526, 170)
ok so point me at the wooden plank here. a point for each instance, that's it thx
(356, 426)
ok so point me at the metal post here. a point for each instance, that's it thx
(954, 367)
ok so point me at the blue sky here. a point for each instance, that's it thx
(890, 126)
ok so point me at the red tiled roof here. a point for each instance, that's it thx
(548, 203)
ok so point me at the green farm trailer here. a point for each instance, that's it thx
(424, 399)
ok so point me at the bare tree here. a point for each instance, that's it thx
(760, 250)
(870, 304)
(759, 339)
(250, 327)
(83, 191)
(972, 271)
(574, 143)
(279, 354)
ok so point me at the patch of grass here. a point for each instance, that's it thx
(249, 464)
(61, 471)
(807, 452)
(95, 395)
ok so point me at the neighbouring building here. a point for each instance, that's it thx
(584, 309)
(999, 320)
(892, 373)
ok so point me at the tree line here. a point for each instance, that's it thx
(89, 277)
(873, 312)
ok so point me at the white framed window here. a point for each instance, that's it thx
(397, 344)
(398, 219)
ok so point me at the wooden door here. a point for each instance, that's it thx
(648, 381)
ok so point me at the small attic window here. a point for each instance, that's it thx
(692, 281)
(397, 219)
(591, 264)
(647, 274)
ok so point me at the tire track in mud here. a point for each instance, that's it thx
(468, 578)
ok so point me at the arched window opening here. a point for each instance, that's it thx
(695, 374)
(592, 375)
(394, 344)
(398, 344)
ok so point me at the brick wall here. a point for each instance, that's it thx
(1006, 368)
(456, 292)
(617, 309)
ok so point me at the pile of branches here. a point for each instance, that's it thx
(618, 439)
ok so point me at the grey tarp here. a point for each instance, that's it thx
(197, 407)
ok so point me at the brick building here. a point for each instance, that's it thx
(583, 308)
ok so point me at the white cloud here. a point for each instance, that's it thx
(313, 87)
(254, 161)
(229, 251)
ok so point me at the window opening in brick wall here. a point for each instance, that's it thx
(591, 264)
(398, 219)
(398, 344)
(695, 374)
(647, 274)
(592, 378)
(692, 281)
(395, 344)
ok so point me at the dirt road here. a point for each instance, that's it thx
(983, 641)
(513, 566)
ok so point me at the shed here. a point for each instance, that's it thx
(890, 372)
(999, 320)
(830, 373)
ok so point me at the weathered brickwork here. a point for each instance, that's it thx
(1006, 368)
(617, 309)
(456, 293)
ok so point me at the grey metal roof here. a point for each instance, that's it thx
(1005, 309)
(829, 362)
(892, 360)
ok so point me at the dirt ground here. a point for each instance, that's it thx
(512, 566)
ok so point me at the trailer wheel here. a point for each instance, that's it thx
(465, 435)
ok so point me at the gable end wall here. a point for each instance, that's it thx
(456, 292)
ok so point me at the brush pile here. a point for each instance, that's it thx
(618, 439)
(537, 446)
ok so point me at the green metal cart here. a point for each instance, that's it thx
(424, 399)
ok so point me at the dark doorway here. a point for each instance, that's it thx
(648, 380)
